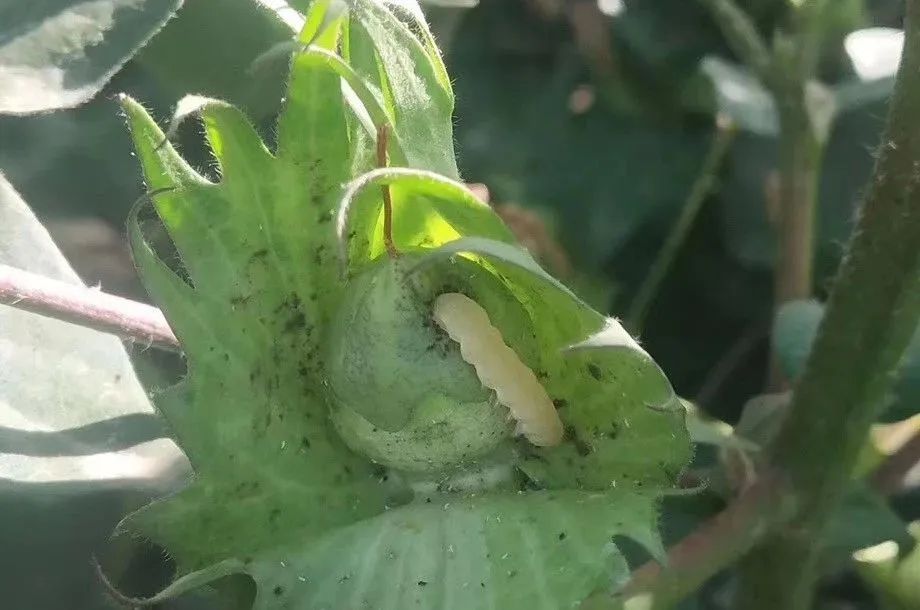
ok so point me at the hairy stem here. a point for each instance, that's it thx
(700, 190)
(871, 315)
(86, 307)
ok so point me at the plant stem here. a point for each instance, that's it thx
(870, 317)
(707, 550)
(86, 307)
(786, 72)
(742, 35)
(801, 150)
(739, 351)
(382, 161)
(702, 187)
(800, 162)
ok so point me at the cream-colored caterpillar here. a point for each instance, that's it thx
(499, 368)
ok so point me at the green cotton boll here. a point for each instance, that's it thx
(442, 434)
(387, 355)
(401, 392)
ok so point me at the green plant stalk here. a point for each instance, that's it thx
(700, 190)
(785, 70)
(808, 21)
(742, 35)
(800, 153)
(871, 315)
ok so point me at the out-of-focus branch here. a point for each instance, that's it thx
(712, 547)
(786, 70)
(737, 354)
(86, 307)
(742, 35)
(801, 151)
(592, 33)
(702, 187)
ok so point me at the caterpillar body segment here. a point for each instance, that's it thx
(499, 368)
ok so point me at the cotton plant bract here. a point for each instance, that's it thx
(346, 456)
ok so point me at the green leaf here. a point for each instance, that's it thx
(250, 323)
(429, 210)
(794, 332)
(546, 550)
(890, 569)
(59, 53)
(236, 50)
(741, 96)
(79, 442)
(707, 430)
(408, 79)
(855, 94)
(761, 417)
(877, 523)
(207, 48)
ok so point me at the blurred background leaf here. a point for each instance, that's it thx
(863, 519)
(80, 442)
(890, 569)
(75, 167)
(794, 332)
(59, 53)
(740, 95)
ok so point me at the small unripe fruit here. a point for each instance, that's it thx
(402, 393)
(442, 434)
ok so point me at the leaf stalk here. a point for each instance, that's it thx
(383, 161)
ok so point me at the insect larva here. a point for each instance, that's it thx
(499, 368)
